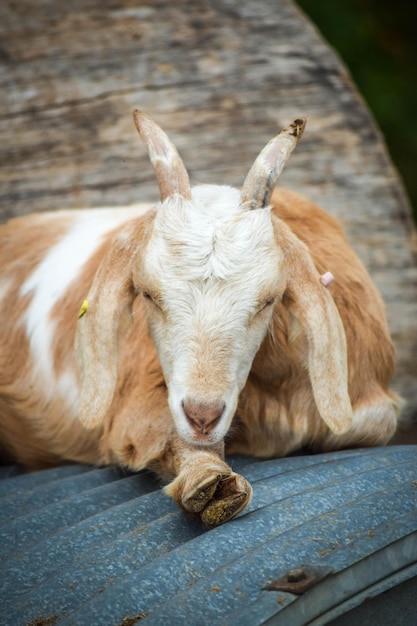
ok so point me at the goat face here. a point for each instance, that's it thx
(210, 263)
(209, 275)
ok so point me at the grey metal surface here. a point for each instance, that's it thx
(81, 545)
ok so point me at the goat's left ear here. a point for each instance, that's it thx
(105, 315)
(311, 303)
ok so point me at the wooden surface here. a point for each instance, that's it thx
(221, 77)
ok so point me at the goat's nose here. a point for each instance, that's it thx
(203, 416)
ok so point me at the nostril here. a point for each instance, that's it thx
(202, 415)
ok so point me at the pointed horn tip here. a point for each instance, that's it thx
(139, 118)
(296, 129)
(137, 114)
(145, 125)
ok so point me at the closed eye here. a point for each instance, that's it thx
(266, 304)
(149, 297)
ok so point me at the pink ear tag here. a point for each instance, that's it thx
(327, 278)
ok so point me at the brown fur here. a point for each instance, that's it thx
(38, 429)
(273, 420)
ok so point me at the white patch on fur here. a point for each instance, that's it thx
(52, 277)
(212, 262)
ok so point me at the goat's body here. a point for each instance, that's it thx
(205, 325)
(48, 262)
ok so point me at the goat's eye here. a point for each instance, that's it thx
(266, 304)
(150, 298)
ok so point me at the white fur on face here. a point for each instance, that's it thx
(214, 266)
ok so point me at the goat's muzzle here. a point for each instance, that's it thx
(203, 416)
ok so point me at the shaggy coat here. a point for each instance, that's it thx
(205, 325)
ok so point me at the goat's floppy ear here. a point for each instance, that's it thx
(264, 173)
(103, 317)
(310, 302)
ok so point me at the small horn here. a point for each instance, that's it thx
(264, 173)
(170, 171)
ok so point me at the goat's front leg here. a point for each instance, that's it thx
(201, 481)
(207, 486)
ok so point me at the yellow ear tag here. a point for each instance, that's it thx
(83, 309)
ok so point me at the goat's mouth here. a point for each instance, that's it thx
(204, 432)
(202, 435)
(201, 420)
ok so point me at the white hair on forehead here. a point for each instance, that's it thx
(212, 236)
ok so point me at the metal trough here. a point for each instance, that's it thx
(99, 547)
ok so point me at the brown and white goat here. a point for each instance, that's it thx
(205, 326)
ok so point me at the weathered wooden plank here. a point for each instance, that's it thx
(220, 77)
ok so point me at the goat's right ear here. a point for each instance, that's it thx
(104, 316)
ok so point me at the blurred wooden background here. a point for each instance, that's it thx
(220, 76)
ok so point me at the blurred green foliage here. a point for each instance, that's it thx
(377, 40)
